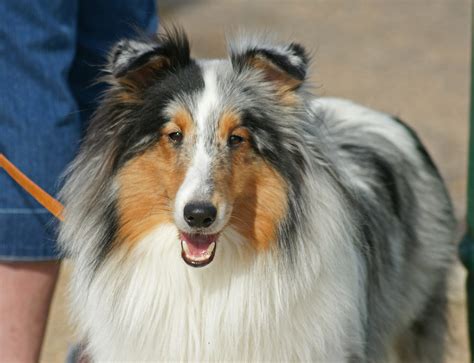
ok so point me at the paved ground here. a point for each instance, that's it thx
(407, 57)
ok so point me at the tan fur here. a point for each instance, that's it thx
(258, 193)
(149, 183)
(228, 123)
(260, 205)
(285, 84)
(183, 121)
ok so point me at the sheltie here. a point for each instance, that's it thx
(218, 211)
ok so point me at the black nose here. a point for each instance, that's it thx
(199, 215)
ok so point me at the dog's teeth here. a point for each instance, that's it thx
(203, 257)
(185, 247)
(210, 249)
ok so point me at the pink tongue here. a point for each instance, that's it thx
(198, 243)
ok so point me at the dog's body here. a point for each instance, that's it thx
(326, 226)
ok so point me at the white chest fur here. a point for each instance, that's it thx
(245, 306)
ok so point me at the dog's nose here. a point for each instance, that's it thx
(199, 215)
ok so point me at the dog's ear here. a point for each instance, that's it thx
(286, 65)
(137, 63)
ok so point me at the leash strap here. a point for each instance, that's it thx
(43, 198)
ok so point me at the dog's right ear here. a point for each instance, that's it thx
(284, 65)
(138, 63)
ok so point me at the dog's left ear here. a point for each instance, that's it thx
(286, 65)
(138, 63)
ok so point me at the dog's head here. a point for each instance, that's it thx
(203, 144)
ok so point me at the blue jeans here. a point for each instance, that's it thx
(51, 52)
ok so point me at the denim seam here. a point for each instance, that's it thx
(6, 258)
(23, 211)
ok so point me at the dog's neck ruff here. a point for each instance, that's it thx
(141, 302)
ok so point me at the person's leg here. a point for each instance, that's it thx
(39, 132)
(27, 289)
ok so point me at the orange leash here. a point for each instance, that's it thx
(34, 190)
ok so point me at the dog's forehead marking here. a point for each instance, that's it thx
(209, 103)
(197, 182)
(209, 98)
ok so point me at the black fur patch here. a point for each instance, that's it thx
(110, 221)
(383, 173)
(268, 141)
(143, 126)
(173, 45)
(392, 212)
(419, 146)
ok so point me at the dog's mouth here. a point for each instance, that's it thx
(198, 250)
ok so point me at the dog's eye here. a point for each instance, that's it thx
(235, 140)
(176, 137)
